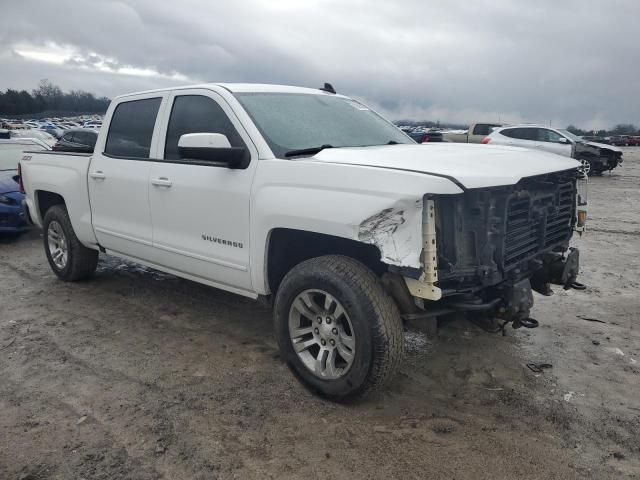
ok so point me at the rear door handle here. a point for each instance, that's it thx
(161, 182)
(98, 175)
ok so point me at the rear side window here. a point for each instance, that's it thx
(509, 132)
(85, 138)
(131, 128)
(197, 114)
(520, 133)
(91, 139)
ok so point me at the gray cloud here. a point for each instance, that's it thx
(566, 62)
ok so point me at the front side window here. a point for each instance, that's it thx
(571, 136)
(298, 121)
(550, 136)
(197, 114)
(131, 128)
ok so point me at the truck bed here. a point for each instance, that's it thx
(64, 174)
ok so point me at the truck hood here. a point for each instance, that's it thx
(7, 182)
(471, 165)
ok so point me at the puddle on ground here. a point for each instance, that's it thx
(113, 264)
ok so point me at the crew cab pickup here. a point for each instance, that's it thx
(474, 134)
(311, 199)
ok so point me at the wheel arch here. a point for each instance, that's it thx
(79, 212)
(288, 247)
(45, 200)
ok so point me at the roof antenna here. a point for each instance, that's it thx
(328, 88)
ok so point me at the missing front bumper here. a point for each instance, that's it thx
(558, 270)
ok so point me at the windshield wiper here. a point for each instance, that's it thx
(307, 151)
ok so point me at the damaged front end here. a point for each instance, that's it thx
(486, 250)
(600, 158)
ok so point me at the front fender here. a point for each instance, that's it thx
(377, 206)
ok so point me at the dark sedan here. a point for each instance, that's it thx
(424, 136)
(80, 140)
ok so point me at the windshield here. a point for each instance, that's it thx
(570, 135)
(295, 121)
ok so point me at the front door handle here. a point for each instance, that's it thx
(161, 182)
(98, 175)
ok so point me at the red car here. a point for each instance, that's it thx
(633, 141)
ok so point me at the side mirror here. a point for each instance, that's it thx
(563, 140)
(211, 148)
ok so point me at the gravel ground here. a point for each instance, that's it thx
(141, 375)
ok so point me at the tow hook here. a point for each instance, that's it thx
(525, 322)
(514, 304)
(570, 269)
(577, 286)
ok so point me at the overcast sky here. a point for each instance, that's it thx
(568, 61)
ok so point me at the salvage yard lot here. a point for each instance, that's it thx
(138, 374)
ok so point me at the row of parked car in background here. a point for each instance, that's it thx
(598, 154)
(79, 134)
(480, 130)
(18, 137)
(55, 127)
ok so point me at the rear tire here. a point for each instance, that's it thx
(348, 332)
(69, 259)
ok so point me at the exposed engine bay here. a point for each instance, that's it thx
(495, 246)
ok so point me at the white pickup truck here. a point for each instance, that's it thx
(313, 200)
(474, 134)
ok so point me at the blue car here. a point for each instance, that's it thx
(12, 215)
(13, 218)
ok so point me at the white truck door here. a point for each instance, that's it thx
(551, 141)
(200, 211)
(119, 177)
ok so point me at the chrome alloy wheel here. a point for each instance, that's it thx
(586, 166)
(322, 334)
(58, 248)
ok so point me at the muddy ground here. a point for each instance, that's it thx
(141, 375)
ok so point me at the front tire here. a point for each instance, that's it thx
(338, 331)
(69, 259)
